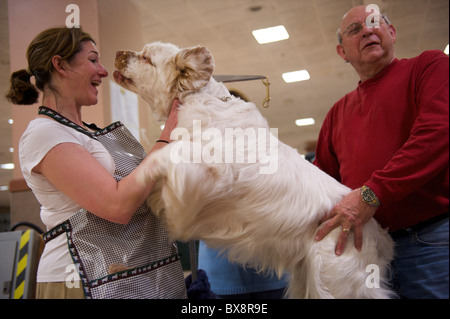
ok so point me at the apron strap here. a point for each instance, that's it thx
(56, 231)
(63, 120)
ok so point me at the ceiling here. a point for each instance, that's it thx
(225, 27)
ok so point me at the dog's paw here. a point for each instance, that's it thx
(152, 168)
(156, 167)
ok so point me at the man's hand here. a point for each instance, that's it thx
(351, 214)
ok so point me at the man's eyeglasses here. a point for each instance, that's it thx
(356, 27)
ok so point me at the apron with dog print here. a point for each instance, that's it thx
(135, 260)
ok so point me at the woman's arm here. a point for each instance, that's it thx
(76, 173)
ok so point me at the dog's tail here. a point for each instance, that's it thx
(306, 281)
(323, 275)
(354, 274)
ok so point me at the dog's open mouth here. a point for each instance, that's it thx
(121, 79)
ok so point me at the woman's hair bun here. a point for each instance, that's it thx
(22, 91)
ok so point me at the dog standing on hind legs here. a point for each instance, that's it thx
(264, 202)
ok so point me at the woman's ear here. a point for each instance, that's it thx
(58, 64)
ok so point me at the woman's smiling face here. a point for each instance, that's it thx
(85, 74)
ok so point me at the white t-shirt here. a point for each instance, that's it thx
(41, 135)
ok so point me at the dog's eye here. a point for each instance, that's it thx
(146, 59)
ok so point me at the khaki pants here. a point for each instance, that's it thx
(58, 290)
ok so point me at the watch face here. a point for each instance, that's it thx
(369, 196)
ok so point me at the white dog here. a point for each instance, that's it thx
(227, 180)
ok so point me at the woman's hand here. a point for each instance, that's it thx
(172, 121)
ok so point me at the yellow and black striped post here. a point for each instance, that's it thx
(22, 265)
(20, 252)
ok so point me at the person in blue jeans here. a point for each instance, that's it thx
(229, 280)
(388, 140)
(421, 262)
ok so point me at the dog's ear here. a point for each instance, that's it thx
(193, 69)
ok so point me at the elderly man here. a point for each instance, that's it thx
(388, 140)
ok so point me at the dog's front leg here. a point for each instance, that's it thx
(170, 197)
(156, 168)
(184, 186)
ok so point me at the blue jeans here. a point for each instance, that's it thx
(421, 262)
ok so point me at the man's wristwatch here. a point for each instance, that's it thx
(369, 197)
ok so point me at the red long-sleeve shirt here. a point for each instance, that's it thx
(392, 134)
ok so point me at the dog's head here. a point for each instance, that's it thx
(162, 72)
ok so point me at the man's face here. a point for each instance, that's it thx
(362, 43)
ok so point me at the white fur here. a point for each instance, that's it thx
(263, 220)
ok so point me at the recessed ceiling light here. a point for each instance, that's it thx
(296, 76)
(10, 121)
(446, 50)
(271, 34)
(7, 166)
(305, 121)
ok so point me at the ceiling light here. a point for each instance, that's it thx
(7, 166)
(272, 34)
(296, 76)
(446, 50)
(305, 121)
(10, 121)
(4, 188)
